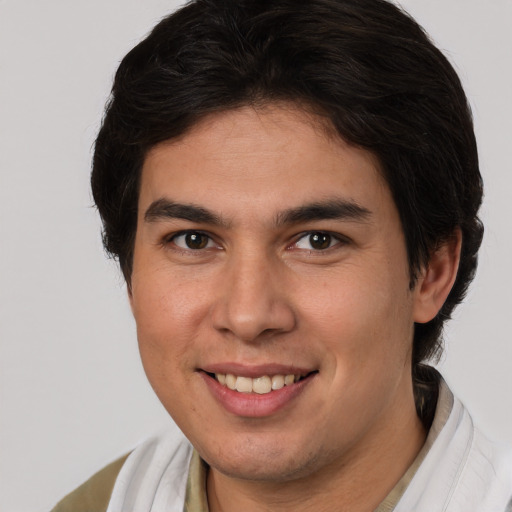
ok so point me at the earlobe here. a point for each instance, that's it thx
(437, 279)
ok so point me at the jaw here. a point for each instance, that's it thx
(313, 475)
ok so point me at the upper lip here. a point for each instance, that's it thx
(254, 371)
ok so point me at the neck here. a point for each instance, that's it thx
(358, 483)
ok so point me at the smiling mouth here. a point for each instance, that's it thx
(259, 385)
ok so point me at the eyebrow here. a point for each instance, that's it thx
(163, 209)
(339, 209)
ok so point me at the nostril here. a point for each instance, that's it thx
(269, 332)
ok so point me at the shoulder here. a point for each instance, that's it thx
(484, 467)
(154, 474)
(463, 470)
(156, 471)
(486, 475)
(94, 494)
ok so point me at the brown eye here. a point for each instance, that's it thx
(319, 241)
(194, 240)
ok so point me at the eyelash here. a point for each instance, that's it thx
(332, 240)
(324, 237)
(172, 240)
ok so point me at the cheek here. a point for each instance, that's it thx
(365, 318)
(168, 316)
(163, 300)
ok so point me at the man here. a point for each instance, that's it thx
(292, 189)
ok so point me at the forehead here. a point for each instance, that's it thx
(260, 159)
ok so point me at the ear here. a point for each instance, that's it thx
(437, 279)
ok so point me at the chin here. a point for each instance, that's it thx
(262, 463)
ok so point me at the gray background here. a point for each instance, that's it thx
(72, 391)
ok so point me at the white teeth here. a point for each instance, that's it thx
(231, 381)
(289, 379)
(244, 384)
(260, 385)
(277, 381)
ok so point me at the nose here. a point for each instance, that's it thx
(252, 301)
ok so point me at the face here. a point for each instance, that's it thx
(270, 289)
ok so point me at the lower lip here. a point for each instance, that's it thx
(253, 405)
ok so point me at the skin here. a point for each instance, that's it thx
(259, 294)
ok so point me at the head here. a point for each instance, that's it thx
(363, 69)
